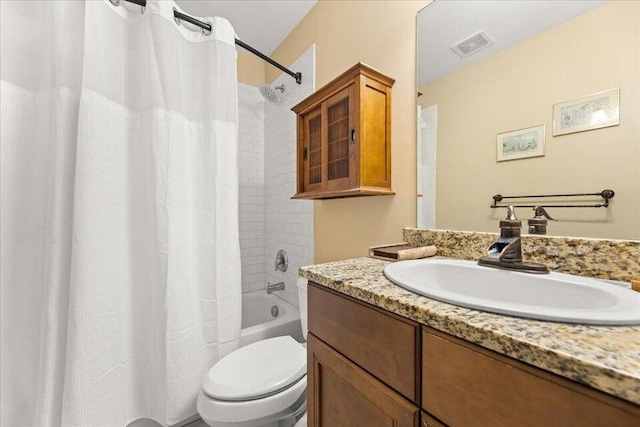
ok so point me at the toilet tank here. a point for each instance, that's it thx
(302, 304)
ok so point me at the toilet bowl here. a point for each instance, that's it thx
(261, 384)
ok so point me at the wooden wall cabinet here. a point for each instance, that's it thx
(344, 137)
(369, 367)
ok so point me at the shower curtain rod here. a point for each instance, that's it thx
(190, 19)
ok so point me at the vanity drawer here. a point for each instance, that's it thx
(464, 384)
(384, 344)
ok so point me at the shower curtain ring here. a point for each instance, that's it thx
(115, 2)
(175, 18)
(207, 32)
(142, 9)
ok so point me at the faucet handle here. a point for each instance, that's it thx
(539, 211)
(282, 262)
(510, 226)
(511, 213)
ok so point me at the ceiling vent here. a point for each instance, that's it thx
(472, 44)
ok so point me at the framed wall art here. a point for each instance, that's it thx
(520, 144)
(590, 112)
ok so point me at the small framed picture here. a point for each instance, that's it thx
(595, 111)
(520, 144)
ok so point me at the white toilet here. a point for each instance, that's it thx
(261, 384)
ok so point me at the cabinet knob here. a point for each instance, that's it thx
(352, 135)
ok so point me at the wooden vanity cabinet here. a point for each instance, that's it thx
(363, 365)
(344, 137)
(369, 367)
(467, 385)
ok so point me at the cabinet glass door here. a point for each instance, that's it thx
(340, 152)
(313, 151)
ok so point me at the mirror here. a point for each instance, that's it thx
(499, 102)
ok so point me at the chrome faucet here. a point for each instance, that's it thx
(275, 287)
(506, 252)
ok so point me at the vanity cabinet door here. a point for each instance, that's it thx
(340, 393)
(466, 385)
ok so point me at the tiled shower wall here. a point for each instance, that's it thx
(269, 219)
(288, 223)
(251, 186)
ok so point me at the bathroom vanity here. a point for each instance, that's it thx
(380, 355)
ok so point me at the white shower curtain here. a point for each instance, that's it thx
(120, 260)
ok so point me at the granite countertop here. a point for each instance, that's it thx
(606, 358)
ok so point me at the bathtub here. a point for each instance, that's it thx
(258, 323)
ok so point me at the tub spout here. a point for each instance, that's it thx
(275, 287)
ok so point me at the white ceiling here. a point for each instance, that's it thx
(262, 24)
(444, 23)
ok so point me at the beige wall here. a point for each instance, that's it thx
(250, 69)
(382, 35)
(516, 89)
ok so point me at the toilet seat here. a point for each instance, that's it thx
(252, 412)
(257, 370)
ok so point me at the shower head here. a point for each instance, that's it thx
(272, 95)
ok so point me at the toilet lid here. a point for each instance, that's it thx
(257, 370)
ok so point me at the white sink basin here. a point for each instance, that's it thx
(555, 296)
